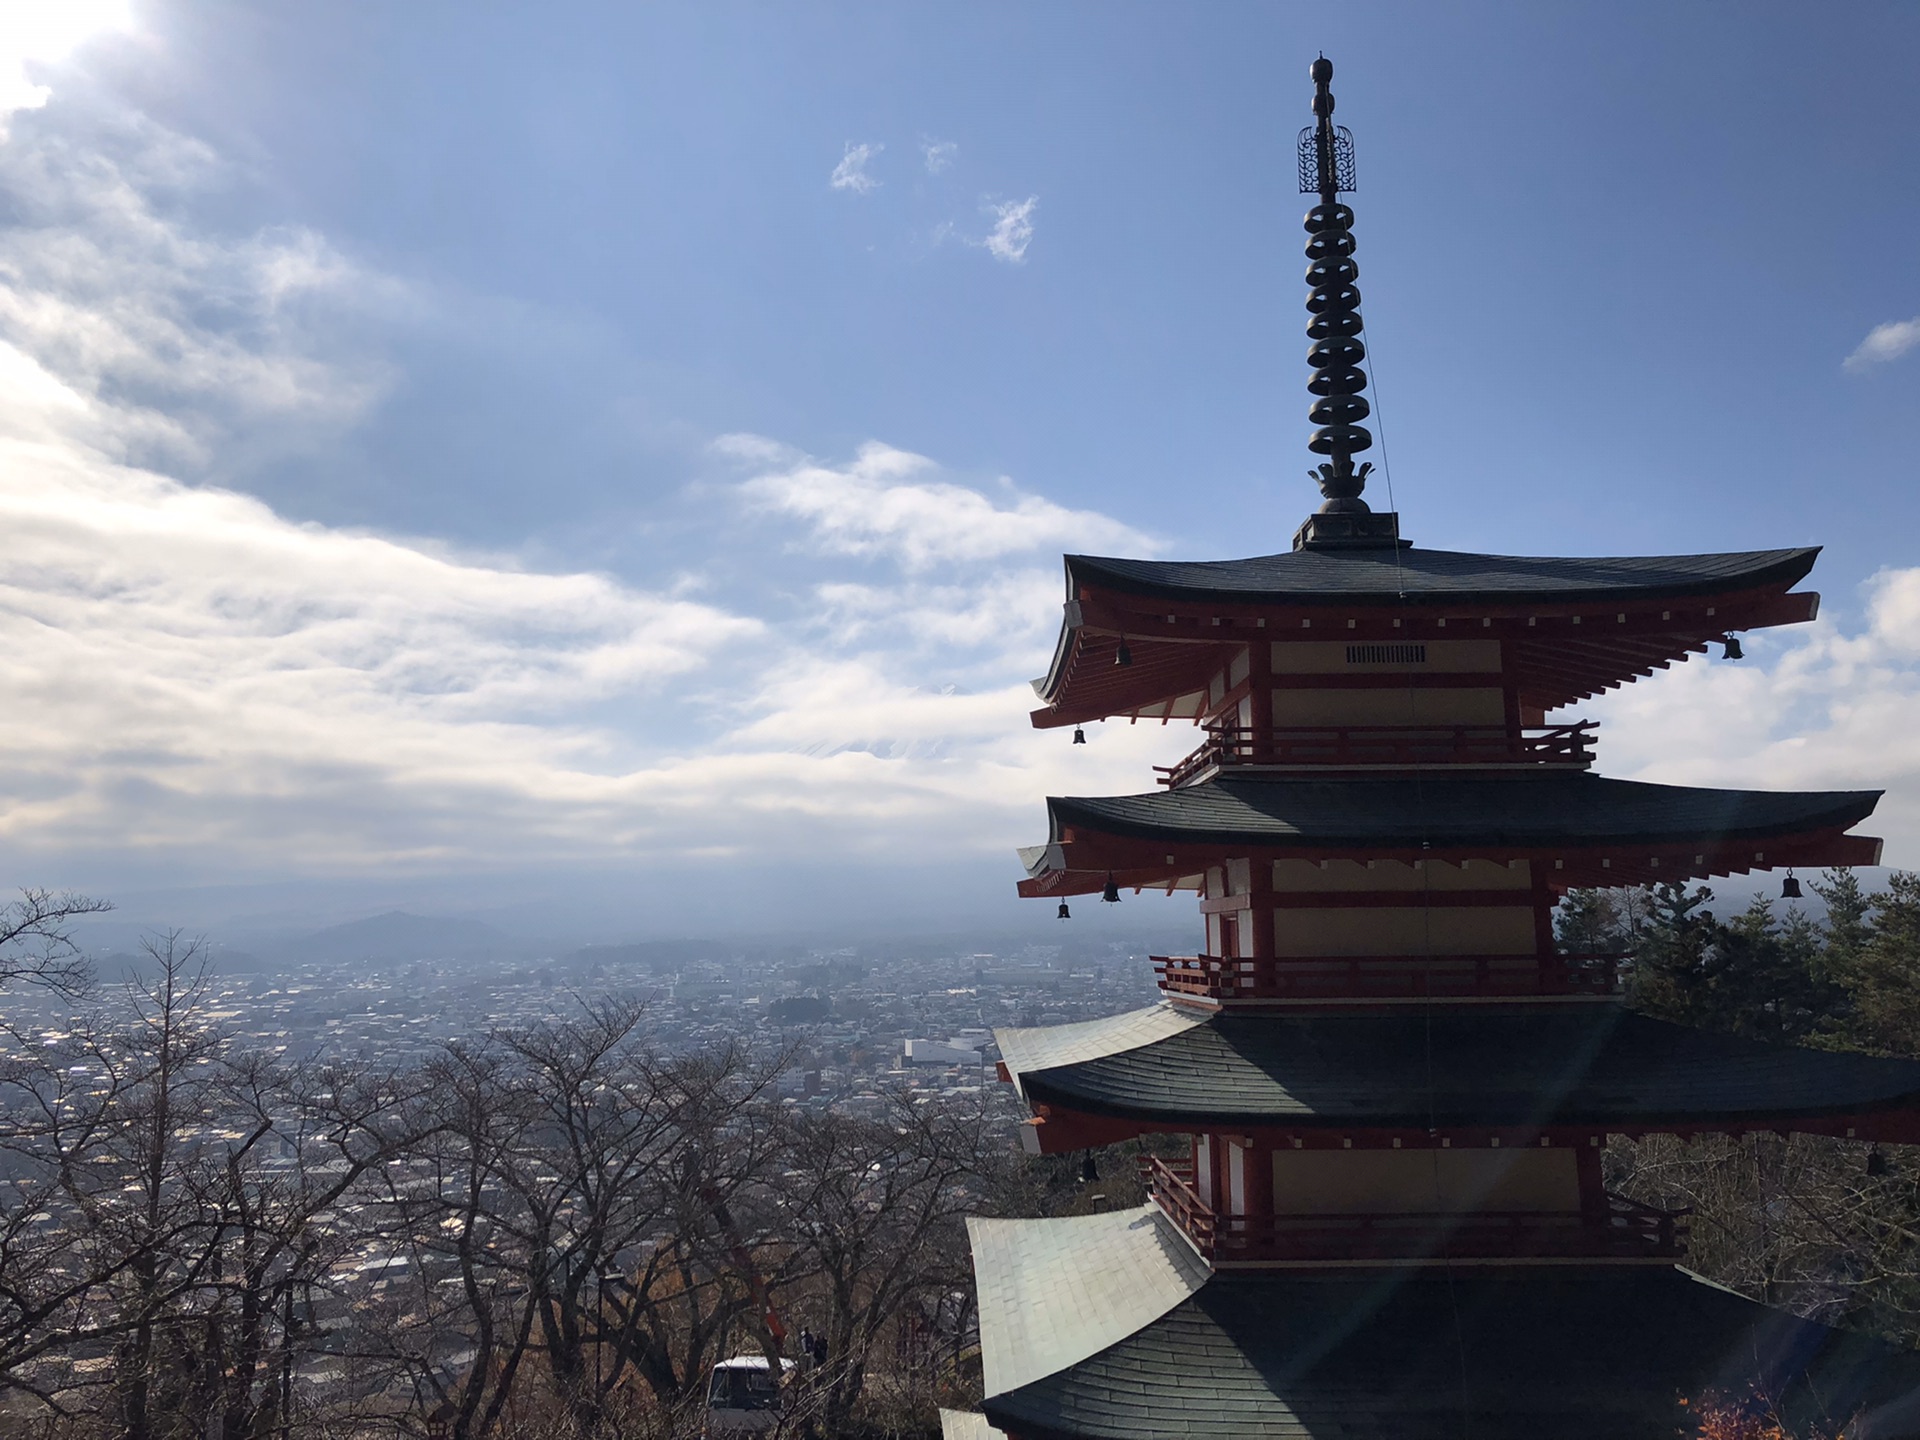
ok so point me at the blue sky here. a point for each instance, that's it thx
(611, 461)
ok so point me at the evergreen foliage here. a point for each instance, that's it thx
(1826, 1227)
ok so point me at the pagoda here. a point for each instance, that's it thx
(1390, 1220)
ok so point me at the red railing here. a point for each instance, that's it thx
(1385, 747)
(1212, 977)
(1630, 1230)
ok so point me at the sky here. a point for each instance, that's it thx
(604, 468)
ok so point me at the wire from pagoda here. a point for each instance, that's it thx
(1386, 469)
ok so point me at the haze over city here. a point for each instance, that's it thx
(603, 473)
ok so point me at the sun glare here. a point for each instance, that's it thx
(48, 31)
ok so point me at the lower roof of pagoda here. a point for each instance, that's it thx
(1513, 1067)
(968, 1425)
(1640, 613)
(1094, 1328)
(1602, 831)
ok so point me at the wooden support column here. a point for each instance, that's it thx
(1260, 915)
(1260, 689)
(1542, 897)
(1217, 1173)
(1256, 1159)
(1593, 1188)
(1510, 692)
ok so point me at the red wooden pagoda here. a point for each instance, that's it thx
(1391, 1220)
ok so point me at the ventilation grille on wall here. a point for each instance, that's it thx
(1386, 654)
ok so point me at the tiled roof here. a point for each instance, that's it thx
(1569, 1064)
(1519, 810)
(1046, 1046)
(1053, 1293)
(967, 1425)
(1494, 1353)
(1344, 576)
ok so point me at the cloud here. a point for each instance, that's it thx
(184, 663)
(938, 155)
(851, 172)
(187, 340)
(199, 682)
(1815, 707)
(1885, 343)
(889, 502)
(35, 34)
(1012, 229)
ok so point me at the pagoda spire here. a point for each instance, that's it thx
(1333, 305)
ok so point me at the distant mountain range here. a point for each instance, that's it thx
(398, 936)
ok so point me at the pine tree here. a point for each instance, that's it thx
(1884, 973)
(1588, 922)
(1671, 967)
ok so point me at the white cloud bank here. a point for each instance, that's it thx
(890, 502)
(938, 155)
(198, 682)
(37, 33)
(1815, 708)
(196, 679)
(1885, 343)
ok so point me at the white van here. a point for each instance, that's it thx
(743, 1398)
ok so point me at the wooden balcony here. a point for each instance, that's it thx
(1229, 747)
(1376, 977)
(1630, 1231)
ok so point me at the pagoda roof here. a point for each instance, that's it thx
(1642, 612)
(968, 1425)
(1685, 830)
(1415, 576)
(1499, 1067)
(1502, 1352)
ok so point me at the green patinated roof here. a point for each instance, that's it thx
(967, 1425)
(1492, 1353)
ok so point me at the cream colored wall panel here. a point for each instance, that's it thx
(1387, 706)
(1385, 1182)
(1396, 875)
(1404, 930)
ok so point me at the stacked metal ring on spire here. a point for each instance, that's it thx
(1334, 304)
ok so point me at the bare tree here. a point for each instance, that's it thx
(877, 1244)
(296, 1144)
(566, 1255)
(36, 939)
(1827, 1228)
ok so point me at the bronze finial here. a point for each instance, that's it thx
(1326, 168)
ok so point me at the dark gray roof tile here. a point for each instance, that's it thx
(1322, 576)
(1568, 1064)
(1452, 810)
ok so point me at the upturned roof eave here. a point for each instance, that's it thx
(1770, 570)
(1425, 823)
(1406, 582)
